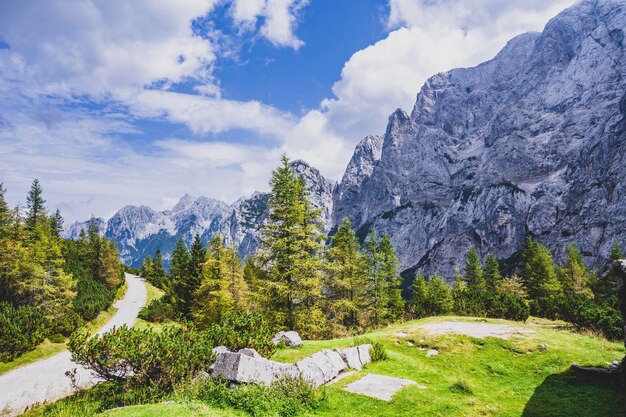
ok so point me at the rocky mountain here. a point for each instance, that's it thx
(140, 231)
(530, 143)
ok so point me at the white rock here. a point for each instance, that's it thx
(432, 352)
(290, 338)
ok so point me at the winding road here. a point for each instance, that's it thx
(45, 380)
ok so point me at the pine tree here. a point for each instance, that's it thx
(473, 271)
(289, 255)
(574, 276)
(345, 281)
(389, 270)
(540, 278)
(179, 274)
(377, 290)
(57, 223)
(492, 273)
(439, 299)
(419, 297)
(35, 204)
(159, 276)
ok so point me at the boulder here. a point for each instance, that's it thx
(336, 360)
(247, 368)
(290, 338)
(351, 357)
(311, 371)
(250, 352)
(364, 354)
(220, 349)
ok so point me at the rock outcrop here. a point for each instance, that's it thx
(290, 338)
(247, 366)
(530, 143)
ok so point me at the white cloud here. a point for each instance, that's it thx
(278, 19)
(431, 37)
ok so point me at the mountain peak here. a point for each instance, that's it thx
(184, 203)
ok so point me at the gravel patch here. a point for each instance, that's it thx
(478, 330)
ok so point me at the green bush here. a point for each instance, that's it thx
(378, 352)
(143, 358)
(283, 398)
(158, 311)
(56, 338)
(21, 330)
(508, 306)
(592, 315)
(461, 387)
(92, 297)
(240, 330)
(66, 323)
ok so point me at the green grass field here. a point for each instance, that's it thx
(153, 294)
(469, 377)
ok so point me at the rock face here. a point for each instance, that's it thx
(140, 231)
(529, 143)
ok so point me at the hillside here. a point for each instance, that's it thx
(469, 376)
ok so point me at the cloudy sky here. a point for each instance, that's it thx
(115, 102)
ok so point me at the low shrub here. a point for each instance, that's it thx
(588, 314)
(66, 323)
(508, 306)
(158, 311)
(56, 338)
(377, 353)
(21, 330)
(143, 358)
(461, 387)
(285, 398)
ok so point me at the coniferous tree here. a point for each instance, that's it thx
(540, 278)
(179, 274)
(35, 204)
(345, 281)
(223, 289)
(574, 276)
(377, 290)
(389, 270)
(439, 299)
(491, 273)
(57, 223)
(145, 271)
(5, 213)
(289, 255)
(159, 275)
(417, 305)
(473, 271)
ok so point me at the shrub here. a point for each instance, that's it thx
(239, 330)
(588, 314)
(461, 387)
(21, 330)
(378, 352)
(508, 306)
(92, 297)
(66, 323)
(142, 358)
(283, 398)
(158, 311)
(56, 338)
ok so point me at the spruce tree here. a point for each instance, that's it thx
(56, 222)
(289, 254)
(179, 273)
(492, 273)
(345, 281)
(35, 204)
(473, 271)
(377, 289)
(540, 278)
(419, 297)
(389, 270)
(159, 276)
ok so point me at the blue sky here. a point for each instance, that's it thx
(114, 102)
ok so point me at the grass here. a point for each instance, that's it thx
(154, 293)
(48, 349)
(469, 377)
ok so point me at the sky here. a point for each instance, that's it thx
(113, 102)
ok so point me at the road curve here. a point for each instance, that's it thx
(45, 380)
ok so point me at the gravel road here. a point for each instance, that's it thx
(45, 380)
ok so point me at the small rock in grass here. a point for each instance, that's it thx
(543, 347)
(432, 352)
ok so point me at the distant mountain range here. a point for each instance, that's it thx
(530, 143)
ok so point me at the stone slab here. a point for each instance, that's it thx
(381, 387)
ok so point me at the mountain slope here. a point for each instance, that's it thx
(531, 142)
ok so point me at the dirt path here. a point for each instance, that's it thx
(45, 380)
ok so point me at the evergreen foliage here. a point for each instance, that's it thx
(540, 278)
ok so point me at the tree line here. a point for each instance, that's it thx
(297, 282)
(49, 285)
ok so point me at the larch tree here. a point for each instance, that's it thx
(573, 275)
(389, 269)
(540, 277)
(419, 297)
(473, 271)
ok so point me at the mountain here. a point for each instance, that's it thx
(138, 231)
(530, 143)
